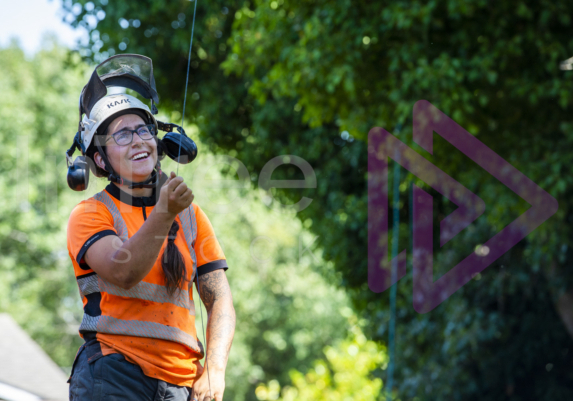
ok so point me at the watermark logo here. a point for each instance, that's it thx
(427, 293)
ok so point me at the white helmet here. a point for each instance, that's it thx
(106, 108)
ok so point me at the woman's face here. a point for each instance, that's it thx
(122, 157)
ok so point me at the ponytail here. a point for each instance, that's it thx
(172, 262)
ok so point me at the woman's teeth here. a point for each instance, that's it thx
(140, 156)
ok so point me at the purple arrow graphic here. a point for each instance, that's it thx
(381, 146)
(427, 293)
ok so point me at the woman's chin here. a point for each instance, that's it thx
(138, 171)
(139, 176)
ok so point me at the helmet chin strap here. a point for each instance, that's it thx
(152, 182)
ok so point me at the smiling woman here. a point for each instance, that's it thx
(137, 247)
(127, 139)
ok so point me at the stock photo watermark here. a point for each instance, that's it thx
(427, 293)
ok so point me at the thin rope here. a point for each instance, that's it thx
(395, 237)
(187, 80)
(204, 337)
(178, 156)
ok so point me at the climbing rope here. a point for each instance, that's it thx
(395, 237)
(187, 79)
(179, 155)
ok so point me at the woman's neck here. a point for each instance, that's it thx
(135, 192)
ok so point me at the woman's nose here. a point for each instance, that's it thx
(136, 139)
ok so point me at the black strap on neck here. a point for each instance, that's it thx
(151, 182)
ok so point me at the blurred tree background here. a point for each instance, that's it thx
(279, 77)
(36, 117)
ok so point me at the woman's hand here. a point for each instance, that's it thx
(174, 196)
(201, 386)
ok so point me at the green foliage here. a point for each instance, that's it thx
(284, 77)
(344, 375)
(38, 116)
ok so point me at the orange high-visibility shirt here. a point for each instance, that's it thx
(145, 324)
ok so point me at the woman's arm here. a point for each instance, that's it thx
(216, 295)
(126, 264)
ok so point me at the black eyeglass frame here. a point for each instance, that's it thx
(150, 127)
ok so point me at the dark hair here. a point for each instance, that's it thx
(172, 262)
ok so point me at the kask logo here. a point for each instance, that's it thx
(117, 103)
(427, 293)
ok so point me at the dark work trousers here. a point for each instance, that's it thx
(111, 378)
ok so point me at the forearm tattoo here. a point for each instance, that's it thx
(213, 286)
(216, 295)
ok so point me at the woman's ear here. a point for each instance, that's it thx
(99, 161)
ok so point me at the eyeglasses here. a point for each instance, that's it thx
(125, 136)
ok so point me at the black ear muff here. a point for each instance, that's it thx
(79, 174)
(171, 140)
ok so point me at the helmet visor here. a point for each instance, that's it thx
(129, 66)
(131, 71)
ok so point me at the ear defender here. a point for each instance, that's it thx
(78, 171)
(79, 174)
(178, 146)
(173, 141)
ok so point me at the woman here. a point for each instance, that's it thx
(137, 247)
